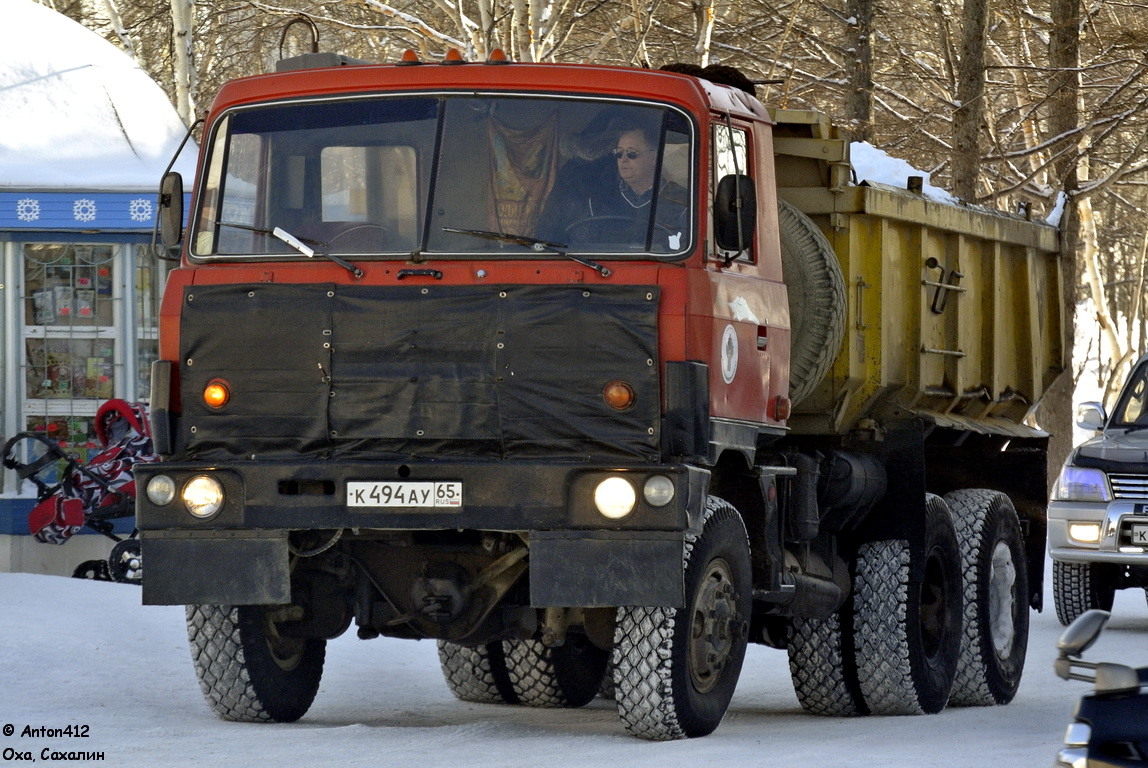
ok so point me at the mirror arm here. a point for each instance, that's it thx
(166, 199)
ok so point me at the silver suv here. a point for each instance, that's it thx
(1098, 515)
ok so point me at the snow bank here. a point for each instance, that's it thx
(875, 165)
(75, 111)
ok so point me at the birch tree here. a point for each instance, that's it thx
(184, 73)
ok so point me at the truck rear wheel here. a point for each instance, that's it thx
(249, 672)
(1079, 587)
(822, 666)
(993, 564)
(476, 674)
(677, 667)
(908, 632)
(567, 675)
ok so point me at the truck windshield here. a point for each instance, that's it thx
(481, 175)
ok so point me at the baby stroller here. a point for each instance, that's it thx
(71, 495)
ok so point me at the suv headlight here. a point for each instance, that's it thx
(1080, 484)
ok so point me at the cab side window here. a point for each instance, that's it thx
(730, 157)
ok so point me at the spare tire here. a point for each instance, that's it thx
(816, 300)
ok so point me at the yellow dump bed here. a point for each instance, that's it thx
(954, 313)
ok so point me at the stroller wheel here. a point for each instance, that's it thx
(126, 562)
(93, 569)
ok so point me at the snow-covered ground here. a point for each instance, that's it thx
(86, 653)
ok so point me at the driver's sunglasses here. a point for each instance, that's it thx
(631, 154)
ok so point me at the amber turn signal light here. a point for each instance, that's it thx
(216, 393)
(782, 408)
(619, 395)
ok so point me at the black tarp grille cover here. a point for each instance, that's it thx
(512, 371)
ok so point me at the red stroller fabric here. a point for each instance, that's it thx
(107, 481)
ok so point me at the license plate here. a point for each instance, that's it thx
(418, 495)
(1140, 535)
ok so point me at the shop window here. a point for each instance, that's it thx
(88, 332)
(70, 340)
(70, 368)
(68, 285)
(150, 274)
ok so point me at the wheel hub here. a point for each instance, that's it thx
(1002, 599)
(125, 563)
(715, 625)
(287, 652)
(934, 610)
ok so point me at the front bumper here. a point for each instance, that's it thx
(577, 557)
(1123, 532)
(1072, 757)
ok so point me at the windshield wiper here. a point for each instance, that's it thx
(299, 244)
(537, 245)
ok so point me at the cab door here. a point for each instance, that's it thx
(746, 336)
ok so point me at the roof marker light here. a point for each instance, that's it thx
(497, 56)
(453, 57)
(409, 58)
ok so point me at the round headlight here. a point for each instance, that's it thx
(614, 497)
(203, 496)
(161, 490)
(658, 490)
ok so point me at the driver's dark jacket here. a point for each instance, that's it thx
(613, 213)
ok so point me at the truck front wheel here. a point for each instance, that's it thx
(676, 668)
(996, 598)
(248, 671)
(1079, 587)
(908, 630)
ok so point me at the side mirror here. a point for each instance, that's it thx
(1082, 633)
(171, 209)
(1090, 416)
(735, 212)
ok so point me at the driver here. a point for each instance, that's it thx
(618, 209)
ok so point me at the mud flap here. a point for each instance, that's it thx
(246, 569)
(598, 569)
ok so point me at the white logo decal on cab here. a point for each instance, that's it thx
(729, 354)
